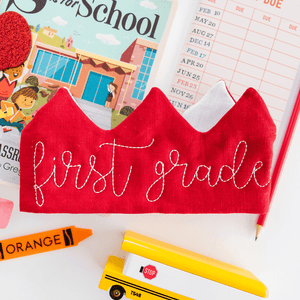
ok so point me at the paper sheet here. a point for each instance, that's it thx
(247, 43)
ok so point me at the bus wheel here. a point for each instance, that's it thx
(116, 292)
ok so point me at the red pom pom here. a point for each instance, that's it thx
(15, 40)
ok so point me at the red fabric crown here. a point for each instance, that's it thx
(153, 162)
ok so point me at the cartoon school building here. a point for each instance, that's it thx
(87, 75)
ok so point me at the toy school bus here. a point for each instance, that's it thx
(156, 270)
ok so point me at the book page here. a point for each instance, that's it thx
(248, 44)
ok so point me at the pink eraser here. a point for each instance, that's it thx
(6, 207)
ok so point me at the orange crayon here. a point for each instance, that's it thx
(42, 242)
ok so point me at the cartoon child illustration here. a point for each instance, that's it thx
(22, 99)
(112, 91)
(8, 81)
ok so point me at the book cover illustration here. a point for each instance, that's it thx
(105, 52)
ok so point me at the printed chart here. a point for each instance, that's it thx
(247, 44)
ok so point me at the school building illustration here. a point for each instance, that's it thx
(87, 75)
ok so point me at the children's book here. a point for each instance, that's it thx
(106, 52)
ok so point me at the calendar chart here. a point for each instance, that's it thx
(246, 43)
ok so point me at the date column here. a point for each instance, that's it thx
(186, 82)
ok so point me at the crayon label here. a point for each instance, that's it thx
(21, 247)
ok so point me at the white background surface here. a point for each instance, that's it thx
(75, 273)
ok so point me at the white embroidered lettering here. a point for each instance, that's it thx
(160, 169)
(233, 170)
(68, 165)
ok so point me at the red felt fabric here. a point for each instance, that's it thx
(15, 40)
(148, 163)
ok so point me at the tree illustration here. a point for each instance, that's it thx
(37, 28)
(63, 40)
(126, 110)
(32, 80)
